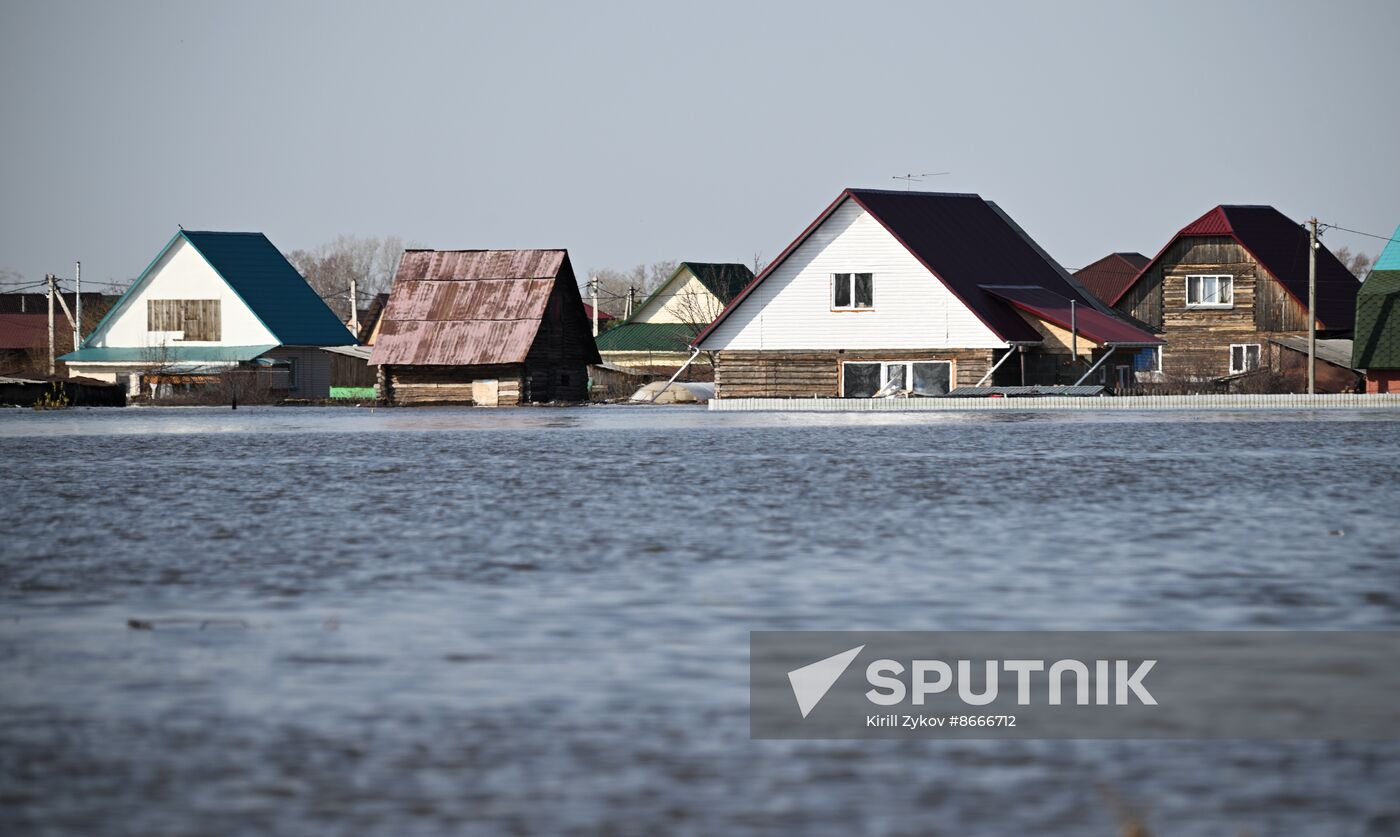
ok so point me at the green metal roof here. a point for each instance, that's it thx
(1376, 342)
(649, 337)
(165, 354)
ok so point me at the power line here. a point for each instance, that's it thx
(1359, 232)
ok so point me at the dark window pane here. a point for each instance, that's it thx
(895, 372)
(860, 380)
(931, 378)
(841, 297)
(865, 290)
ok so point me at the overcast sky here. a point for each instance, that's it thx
(705, 131)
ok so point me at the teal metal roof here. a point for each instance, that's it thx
(165, 354)
(648, 337)
(272, 288)
(1390, 256)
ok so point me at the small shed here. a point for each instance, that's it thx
(486, 327)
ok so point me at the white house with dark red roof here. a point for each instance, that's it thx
(1229, 291)
(914, 291)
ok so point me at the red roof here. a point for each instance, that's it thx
(1107, 277)
(470, 307)
(603, 316)
(964, 241)
(1281, 246)
(1053, 308)
(30, 331)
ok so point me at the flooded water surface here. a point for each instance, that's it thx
(536, 621)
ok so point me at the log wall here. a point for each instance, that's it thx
(814, 373)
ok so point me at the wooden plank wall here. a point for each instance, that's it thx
(451, 384)
(804, 374)
(199, 319)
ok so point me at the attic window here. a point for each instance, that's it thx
(852, 291)
(1210, 291)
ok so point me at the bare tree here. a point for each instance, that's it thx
(328, 268)
(614, 285)
(1359, 264)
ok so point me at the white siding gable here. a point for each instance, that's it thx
(181, 273)
(791, 308)
(684, 299)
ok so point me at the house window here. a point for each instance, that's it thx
(1148, 359)
(1244, 357)
(1210, 291)
(862, 379)
(852, 291)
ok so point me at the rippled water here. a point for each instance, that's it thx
(536, 621)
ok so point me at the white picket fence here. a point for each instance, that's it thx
(1132, 402)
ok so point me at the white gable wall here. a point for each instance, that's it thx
(684, 299)
(182, 273)
(791, 308)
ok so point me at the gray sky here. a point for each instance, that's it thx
(636, 132)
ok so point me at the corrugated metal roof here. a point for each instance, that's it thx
(1281, 246)
(468, 307)
(27, 331)
(648, 337)
(966, 242)
(1087, 321)
(264, 279)
(1107, 277)
(165, 354)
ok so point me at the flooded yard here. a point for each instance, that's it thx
(536, 621)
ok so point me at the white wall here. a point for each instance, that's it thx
(791, 308)
(182, 273)
(684, 299)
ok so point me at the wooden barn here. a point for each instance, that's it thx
(920, 292)
(1227, 284)
(485, 327)
(1376, 348)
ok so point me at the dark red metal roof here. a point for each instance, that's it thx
(29, 331)
(1107, 277)
(468, 307)
(1281, 246)
(1088, 321)
(603, 316)
(966, 242)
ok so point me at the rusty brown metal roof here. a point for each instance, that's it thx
(466, 307)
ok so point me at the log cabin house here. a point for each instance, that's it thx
(1226, 285)
(919, 291)
(1376, 349)
(1107, 277)
(211, 303)
(485, 327)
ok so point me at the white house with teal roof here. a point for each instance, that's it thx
(209, 303)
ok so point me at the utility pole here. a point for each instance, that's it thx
(1312, 305)
(77, 304)
(593, 293)
(631, 295)
(1073, 332)
(354, 307)
(49, 278)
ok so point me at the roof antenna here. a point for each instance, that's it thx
(181, 226)
(911, 179)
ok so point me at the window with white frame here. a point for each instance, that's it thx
(852, 291)
(1148, 359)
(1244, 357)
(1215, 290)
(862, 379)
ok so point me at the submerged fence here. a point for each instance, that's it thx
(1131, 402)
